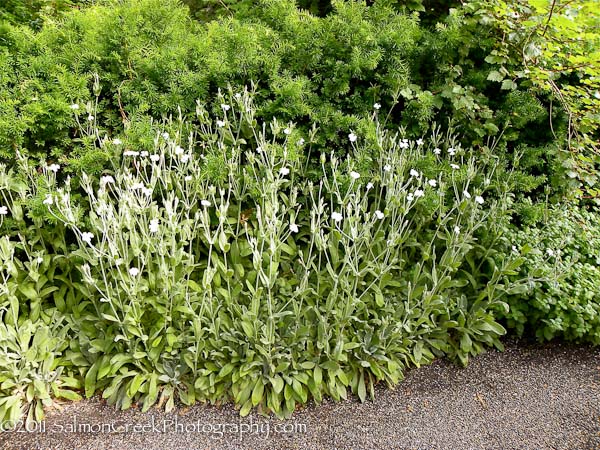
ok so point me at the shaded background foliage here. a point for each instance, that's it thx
(425, 62)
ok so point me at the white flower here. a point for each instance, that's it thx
(451, 151)
(130, 153)
(284, 171)
(336, 216)
(457, 229)
(410, 197)
(466, 194)
(515, 249)
(179, 150)
(3, 210)
(354, 175)
(154, 226)
(147, 191)
(369, 186)
(597, 95)
(220, 123)
(117, 141)
(419, 141)
(376, 106)
(300, 141)
(479, 199)
(432, 183)
(47, 200)
(134, 271)
(53, 167)
(155, 157)
(91, 118)
(259, 149)
(287, 131)
(104, 300)
(404, 144)
(107, 179)
(352, 137)
(414, 173)
(455, 166)
(136, 186)
(387, 168)
(437, 151)
(550, 252)
(419, 193)
(74, 106)
(205, 203)
(165, 136)
(379, 214)
(85, 268)
(185, 158)
(294, 228)
(87, 237)
(144, 153)
(40, 260)
(225, 107)
(188, 178)
(237, 95)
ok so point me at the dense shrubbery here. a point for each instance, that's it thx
(562, 298)
(151, 60)
(31, 12)
(165, 240)
(559, 43)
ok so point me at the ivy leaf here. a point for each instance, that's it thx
(494, 75)
(509, 85)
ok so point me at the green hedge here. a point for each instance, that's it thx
(152, 59)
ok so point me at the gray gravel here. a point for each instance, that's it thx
(529, 397)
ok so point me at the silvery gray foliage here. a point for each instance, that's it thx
(213, 267)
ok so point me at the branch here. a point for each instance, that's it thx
(549, 17)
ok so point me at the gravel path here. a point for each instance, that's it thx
(529, 397)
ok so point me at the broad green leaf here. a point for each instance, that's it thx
(257, 392)
(277, 383)
(362, 390)
(90, 379)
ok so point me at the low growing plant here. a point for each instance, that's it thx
(39, 299)
(32, 339)
(562, 296)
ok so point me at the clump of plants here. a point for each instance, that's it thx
(38, 300)
(219, 270)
